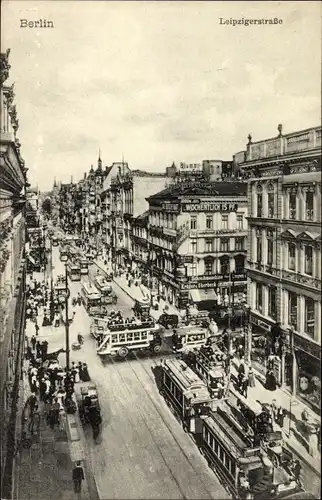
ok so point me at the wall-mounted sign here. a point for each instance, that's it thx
(197, 167)
(185, 259)
(210, 282)
(170, 207)
(208, 206)
(260, 323)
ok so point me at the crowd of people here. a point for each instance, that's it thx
(53, 386)
(116, 321)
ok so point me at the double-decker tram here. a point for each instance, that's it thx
(185, 393)
(210, 365)
(118, 340)
(63, 253)
(74, 272)
(244, 465)
(189, 337)
(54, 241)
(106, 290)
(91, 298)
(83, 264)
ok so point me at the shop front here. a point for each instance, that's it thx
(260, 347)
(308, 372)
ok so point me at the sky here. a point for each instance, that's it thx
(157, 82)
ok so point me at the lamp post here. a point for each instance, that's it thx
(66, 319)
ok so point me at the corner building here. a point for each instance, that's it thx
(197, 242)
(284, 256)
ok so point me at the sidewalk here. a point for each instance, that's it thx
(44, 471)
(295, 440)
(138, 292)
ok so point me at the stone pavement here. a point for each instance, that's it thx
(45, 470)
(292, 432)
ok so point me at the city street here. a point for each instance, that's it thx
(143, 452)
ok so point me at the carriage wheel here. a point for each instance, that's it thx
(122, 352)
(156, 348)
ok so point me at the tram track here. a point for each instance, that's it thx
(145, 420)
(215, 472)
(167, 425)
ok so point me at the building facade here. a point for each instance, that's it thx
(197, 241)
(284, 258)
(12, 274)
(128, 190)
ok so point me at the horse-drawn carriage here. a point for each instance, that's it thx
(89, 403)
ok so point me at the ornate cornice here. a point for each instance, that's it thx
(4, 66)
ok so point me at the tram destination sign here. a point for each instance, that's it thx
(209, 206)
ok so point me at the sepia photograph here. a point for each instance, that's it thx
(160, 250)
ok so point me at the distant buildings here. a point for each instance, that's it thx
(284, 256)
(12, 274)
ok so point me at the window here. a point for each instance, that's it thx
(292, 206)
(270, 251)
(193, 244)
(208, 267)
(259, 297)
(309, 205)
(224, 222)
(209, 220)
(259, 249)
(240, 264)
(239, 244)
(239, 222)
(271, 205)
(208, 245)
(291, 256)
(308, 260)
(224, 265)
(224, 245)
(259, 205)
(309, 322)
(193, 269)
(193, 222)
(292, 309)
(272, 302)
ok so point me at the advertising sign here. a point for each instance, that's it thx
(170, 207)
(209, 206)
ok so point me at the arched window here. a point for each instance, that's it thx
(240, 264)
(224, 264)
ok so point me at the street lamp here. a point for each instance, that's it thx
(67, 293)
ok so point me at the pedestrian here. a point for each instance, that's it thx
(86, 377)
(38, 349)
(32, 402)
(296, 469)
(34, 384)
(34, 420)
(251, 377)
(44, 348)
(281, 413)
(78, 477)
(33, 341)
(36, 328)
(244, 386)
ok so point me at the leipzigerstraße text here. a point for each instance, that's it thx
(250, 22)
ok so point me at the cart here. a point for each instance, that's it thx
(88, 402)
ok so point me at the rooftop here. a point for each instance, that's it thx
(220, 188)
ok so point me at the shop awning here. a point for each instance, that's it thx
(202, 295)
(195, 295)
